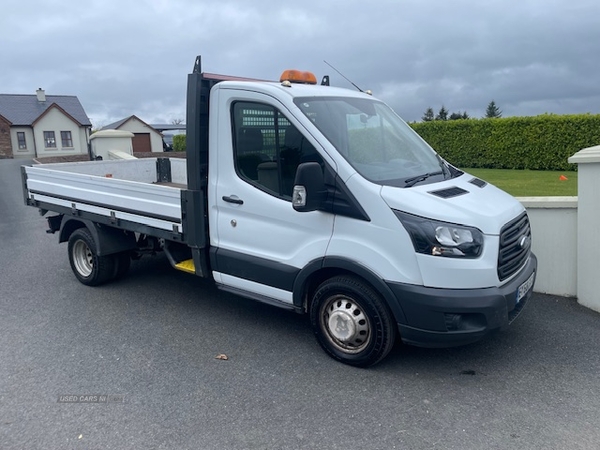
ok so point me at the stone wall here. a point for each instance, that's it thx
(5, 144)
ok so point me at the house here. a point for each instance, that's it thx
(42, 125)
(145, 137)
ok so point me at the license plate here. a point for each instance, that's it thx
(525, 287)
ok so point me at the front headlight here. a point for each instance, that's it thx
(432, 237)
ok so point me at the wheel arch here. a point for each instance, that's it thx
(108, 240)
(317, 271)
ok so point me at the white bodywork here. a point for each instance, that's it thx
(108, 188)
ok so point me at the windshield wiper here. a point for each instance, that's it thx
(410, 182)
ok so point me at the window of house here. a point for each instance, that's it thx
(21, 140)
(268, 148)
(49, 139)
(67, 140)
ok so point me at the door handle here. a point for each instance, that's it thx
(233, 199)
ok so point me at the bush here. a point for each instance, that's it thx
(179, 143)
(538, 143)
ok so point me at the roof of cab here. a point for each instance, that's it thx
(293, 90)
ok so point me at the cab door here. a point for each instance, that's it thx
(261, 243)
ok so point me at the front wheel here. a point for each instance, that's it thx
(351, 321)
(89, 268)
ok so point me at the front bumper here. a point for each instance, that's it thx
(452, 317)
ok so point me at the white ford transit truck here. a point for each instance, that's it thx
(312, 198)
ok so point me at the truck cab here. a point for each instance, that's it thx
(449, 254)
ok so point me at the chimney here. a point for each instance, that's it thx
(41, 95)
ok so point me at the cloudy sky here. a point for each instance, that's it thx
(131, 57)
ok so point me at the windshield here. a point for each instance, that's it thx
(374, 140)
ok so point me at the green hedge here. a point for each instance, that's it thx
(537, 143)
(179, 143)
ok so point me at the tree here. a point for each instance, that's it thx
(177, 121)
(179, 143)
(442, 114)
(492, 111)
(428, 116)
(458, 115)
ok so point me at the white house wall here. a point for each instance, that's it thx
(554, 232)
(84, 138)
(56, 121)
(29, 152)
(135, 126)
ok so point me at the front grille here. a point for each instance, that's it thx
(515, 246)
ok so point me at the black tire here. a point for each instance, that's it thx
(122, 264)
(89, 268)
(351, 321)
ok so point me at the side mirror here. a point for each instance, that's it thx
(309, 188)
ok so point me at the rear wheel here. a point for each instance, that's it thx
(89, 268)
(351, 321)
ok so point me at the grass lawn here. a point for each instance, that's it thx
(529, 183)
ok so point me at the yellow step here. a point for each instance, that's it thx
(186, 266)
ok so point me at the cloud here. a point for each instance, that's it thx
(132, 57)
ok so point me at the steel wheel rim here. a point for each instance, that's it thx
(83, 258)
(345, 324)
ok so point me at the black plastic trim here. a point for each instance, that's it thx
(349, 266)
(259, 270)
(478, 182)
(294, 280)
(340, 200)
(450, 192)
(487, 310)
(259, 298)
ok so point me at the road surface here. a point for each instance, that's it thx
(149, 343)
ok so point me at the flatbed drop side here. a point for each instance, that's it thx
(311, 198)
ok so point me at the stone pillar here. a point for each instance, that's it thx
(588, 226)
(6, 150)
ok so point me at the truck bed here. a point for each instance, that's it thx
(139, 191)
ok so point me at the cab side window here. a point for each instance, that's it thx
(268, 148)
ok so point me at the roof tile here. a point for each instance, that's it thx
(23, 110)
